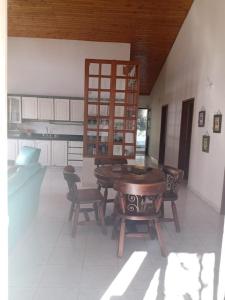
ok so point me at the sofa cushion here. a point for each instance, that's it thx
(28, 155)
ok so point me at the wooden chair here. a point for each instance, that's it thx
(134, 205)
(105, 184)
(80, 197)
(173, 177)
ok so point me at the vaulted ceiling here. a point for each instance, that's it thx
(150, 26)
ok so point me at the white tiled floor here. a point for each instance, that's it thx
(48, 264)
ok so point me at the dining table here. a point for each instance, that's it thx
(129, 173)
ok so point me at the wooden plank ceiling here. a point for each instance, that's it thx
(151, 26)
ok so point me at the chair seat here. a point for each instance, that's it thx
(89, 195)
(169, 196)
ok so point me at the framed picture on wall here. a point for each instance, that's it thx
(201, 118)
(205, 143)
(217, 122)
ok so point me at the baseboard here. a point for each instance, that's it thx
(203, 198)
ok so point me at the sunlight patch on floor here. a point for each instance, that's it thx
(152, 290)
(125, 276)
(189, 276)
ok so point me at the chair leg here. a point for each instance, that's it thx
(95, 206)
(105, 200)
(175, 216)
(160, 238)
(86, 216)
(102, 217)
(115, 226)
(75, 220)
(71, 211)
(151, 230)
(121, 238)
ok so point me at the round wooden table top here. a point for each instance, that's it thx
(129, 173)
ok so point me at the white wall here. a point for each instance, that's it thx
(55, 67)
(195, 68)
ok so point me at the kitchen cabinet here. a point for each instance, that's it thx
(77, 110)
(29, 108)
(14, 109)
(59, 153)
(75, 153)
(22, 143)
(12, 149)
(45, 109)
(45, 155)
(62, 109)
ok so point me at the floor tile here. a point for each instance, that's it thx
(56, 294)
(47, 263)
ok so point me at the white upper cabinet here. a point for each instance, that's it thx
(45, 109)
(77, 110)
(62, 109)
(29, 108)
(14, 109)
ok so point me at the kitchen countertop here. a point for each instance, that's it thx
(39, 136)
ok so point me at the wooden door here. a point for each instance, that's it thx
(185, 136)
(162, 144)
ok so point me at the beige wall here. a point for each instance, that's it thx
(55, 67)
(195, 68)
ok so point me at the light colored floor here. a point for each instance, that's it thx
(48, 264)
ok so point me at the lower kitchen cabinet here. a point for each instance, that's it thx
(12, 149)
(22, 143)
(59, 153)
(45, 155)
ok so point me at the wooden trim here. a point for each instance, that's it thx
(222, 209)
(111, 106)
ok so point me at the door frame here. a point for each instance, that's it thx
(191, 100)
(148, 109)
(163, 131)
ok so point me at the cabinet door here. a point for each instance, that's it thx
(59, 153)
(62, 109)
(45, 155)
(77, 110)
(12, 149)
(45, 109)
(29, 143)
(29, 108)
(14, 109)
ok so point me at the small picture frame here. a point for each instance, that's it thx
(205, 143)
(217, 123)
(201, 118)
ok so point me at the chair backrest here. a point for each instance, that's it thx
(173, 177)
(136, 197)
(71, 179)
(28, 155)
(110, 161)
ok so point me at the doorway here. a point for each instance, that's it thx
(142, 128)
(185, 136)
(163, 130)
